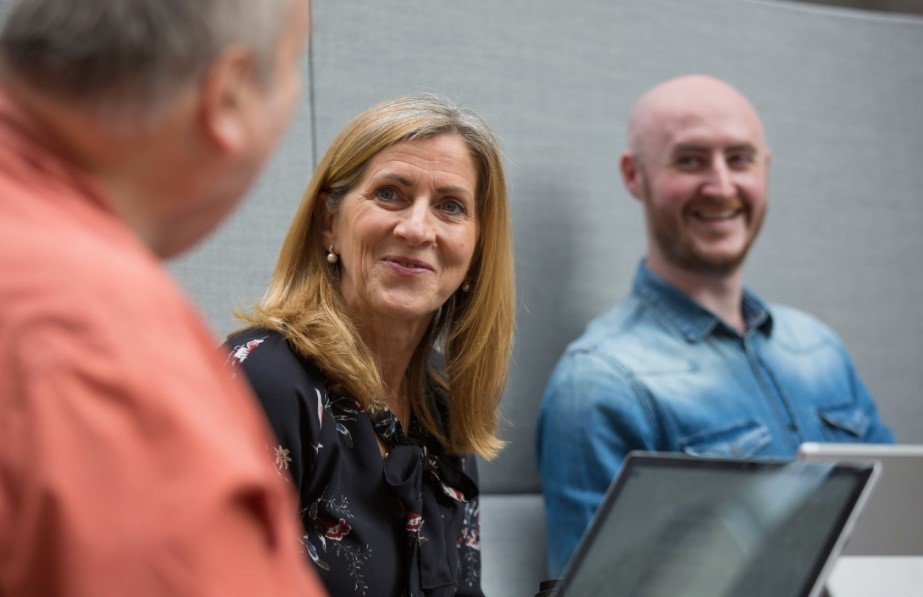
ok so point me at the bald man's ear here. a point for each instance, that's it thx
(631, 173)
(227, 95)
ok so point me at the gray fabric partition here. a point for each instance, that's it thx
(230, 270)
(840, 92)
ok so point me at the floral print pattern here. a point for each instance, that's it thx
(469, 543)
(283, 458)
(406, 524)
(239, 353)
(329, 534)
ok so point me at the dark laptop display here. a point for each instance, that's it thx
(675, 525)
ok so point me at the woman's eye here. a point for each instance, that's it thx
(453, 207)
(386, 194)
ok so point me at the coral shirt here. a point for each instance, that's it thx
(130, 462)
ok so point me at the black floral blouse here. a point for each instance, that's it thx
(405, 525)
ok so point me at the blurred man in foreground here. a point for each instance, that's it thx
(130, 462)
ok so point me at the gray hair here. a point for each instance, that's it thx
(132, 54)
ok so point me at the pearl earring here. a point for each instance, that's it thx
(331, 256)
(466, 287)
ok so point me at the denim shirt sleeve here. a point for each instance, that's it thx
(878, 432)
(859, 420)
(590, 418)
(812, 361)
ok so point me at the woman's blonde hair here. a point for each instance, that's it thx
(473, 329)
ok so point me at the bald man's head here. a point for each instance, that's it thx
(676, 102)
(697, 159)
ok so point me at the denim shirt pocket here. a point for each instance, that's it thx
(845, 423)
(741, 439)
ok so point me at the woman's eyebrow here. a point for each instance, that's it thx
(399, 178)
(406, 182)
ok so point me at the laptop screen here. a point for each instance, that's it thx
(891, 524)
(674, 525)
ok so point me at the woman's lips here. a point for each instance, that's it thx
(407, 264)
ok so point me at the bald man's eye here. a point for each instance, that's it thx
(689, 162)
(741, 161)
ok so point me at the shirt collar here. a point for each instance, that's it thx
(693, 320)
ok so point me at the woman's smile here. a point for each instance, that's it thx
(406, 232)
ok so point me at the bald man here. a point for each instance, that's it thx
(692, 361)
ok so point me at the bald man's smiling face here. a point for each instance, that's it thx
(701, 166)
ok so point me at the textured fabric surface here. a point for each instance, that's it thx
(512, 544)
(405, 524)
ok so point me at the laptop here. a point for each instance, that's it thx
(891, 522)
(673, 525)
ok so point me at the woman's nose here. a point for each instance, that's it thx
(416, 224)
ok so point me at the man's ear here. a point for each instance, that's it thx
(631, 174)
(227, 94)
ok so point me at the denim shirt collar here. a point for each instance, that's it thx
(694, 321)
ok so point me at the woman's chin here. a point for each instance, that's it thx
(405, 309)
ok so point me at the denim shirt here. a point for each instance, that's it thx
(659, 372)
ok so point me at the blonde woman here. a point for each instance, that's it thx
(380, 349)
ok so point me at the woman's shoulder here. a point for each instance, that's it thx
(242, 343)
(270, 362)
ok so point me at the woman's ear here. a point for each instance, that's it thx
(327, 223)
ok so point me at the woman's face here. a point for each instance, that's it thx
(406, 231)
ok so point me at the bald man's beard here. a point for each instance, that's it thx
(678, 247)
